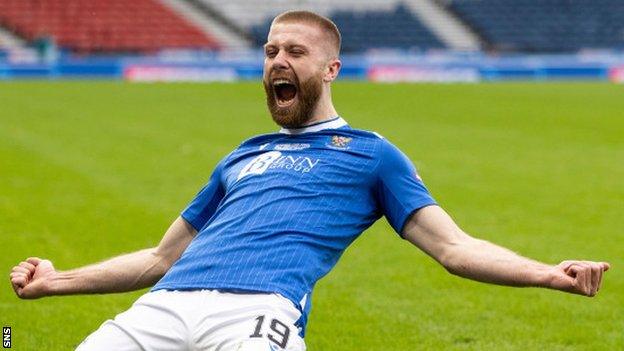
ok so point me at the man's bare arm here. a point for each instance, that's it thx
(432, 230)
(35, 278)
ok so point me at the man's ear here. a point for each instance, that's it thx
(332, 69)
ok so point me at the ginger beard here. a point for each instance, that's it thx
(290, 101)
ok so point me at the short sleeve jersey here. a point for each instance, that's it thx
(279, 211)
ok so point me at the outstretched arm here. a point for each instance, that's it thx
(432, 230)
(35, 278)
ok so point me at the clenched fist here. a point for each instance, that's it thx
(579, 277)
(30, 279)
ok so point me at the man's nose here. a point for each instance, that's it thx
(279, 61)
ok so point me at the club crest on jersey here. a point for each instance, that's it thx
(340, 141)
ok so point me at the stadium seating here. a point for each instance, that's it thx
(545, 25)
(364, 24)
(390, 29)
(103, 26)
(247, 15)
(148, 26)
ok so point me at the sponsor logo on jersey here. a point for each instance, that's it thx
(340, 141)
(291, 147)
(275, 160)
(259, 164)
(301, 164)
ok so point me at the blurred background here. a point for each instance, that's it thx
(413, 40)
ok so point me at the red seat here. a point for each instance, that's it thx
(112, 25)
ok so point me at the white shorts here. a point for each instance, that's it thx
(201, 320)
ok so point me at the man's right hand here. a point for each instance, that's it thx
(30, 279)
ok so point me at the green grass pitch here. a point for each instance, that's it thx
(89, 170)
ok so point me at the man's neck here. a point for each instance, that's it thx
(323, 112)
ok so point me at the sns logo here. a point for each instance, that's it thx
(259, 164)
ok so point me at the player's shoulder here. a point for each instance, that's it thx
(355, 141)
(382, 144)
(359, 133)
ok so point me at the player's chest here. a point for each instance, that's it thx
(296, 164)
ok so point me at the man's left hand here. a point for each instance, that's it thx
(579, 277)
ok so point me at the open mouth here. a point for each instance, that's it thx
(285, 92)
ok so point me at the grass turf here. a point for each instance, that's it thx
(89, 170)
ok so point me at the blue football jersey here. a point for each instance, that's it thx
(279, 211)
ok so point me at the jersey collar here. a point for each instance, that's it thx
(333, 123)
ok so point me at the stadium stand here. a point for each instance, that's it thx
(9, 40)
(118, 26)
(98, 26)
(545, 25)
(395, 26)
(393, 29)
(247, 16)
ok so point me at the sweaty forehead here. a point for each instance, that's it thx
(295, 34)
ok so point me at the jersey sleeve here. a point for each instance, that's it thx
(205, 203)
(400, 189)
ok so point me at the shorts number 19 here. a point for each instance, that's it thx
(279, 328)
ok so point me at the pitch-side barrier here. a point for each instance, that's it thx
(377, 66)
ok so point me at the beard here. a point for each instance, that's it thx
(299, 112)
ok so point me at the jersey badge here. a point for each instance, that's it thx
(340, 141)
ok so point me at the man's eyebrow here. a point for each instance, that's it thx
(287, 45)
(297, 46)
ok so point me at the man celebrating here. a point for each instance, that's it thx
(236, 270)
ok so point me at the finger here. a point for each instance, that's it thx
(21, 270)
(580, 278)
(600, 272)
(586, 272)
(28, 266)
(595, 270)
(588, 278)
(19, 281)
(604, 266)
(34, 260)
(18, 274)
(591, 276)
(574, 269)
(565, 265)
